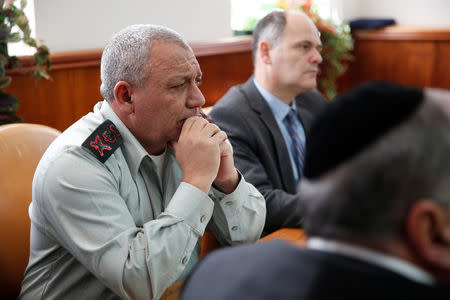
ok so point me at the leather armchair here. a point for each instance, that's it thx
(21, 148)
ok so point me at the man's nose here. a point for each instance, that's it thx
(195, 98)
(316, 58)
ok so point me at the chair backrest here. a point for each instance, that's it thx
(21, 147)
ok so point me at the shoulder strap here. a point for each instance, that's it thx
(103, 141)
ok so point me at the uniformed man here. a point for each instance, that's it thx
(121, 198)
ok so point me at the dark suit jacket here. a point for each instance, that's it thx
(259, 149)
(277, 270)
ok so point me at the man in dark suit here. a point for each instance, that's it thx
(376, 198)
(286, 55)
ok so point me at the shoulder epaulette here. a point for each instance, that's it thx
(104, 141)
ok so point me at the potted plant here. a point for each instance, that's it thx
(14, 27)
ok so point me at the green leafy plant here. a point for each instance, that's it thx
(14, 27)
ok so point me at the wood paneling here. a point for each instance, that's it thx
(411, 56)
(441, 76)
(220, 72)
(402, 62)
(401, 33)
(74, 87)
(59, 102)
(404, 55)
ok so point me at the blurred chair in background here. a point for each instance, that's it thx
(21, 148)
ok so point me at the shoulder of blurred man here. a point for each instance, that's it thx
(246, 96)
(278, 270)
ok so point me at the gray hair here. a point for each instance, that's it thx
(269, 28)
(127, 55)
(369, 196)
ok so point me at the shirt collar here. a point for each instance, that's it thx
(132, 150)
(383, 260)
(277, 106)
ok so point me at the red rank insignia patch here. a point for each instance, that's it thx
(103, 141)
(98, 145)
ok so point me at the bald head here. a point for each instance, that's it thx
(271, 27)
(286, 51)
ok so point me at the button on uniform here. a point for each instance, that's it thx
(234, 228)
(202, 219)
(184, 260)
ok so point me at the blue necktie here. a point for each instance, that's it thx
(294, 130)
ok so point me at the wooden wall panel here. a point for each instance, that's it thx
(441, 77)
(403, 55)
(74, 87)
(58, 102)
(411, 56)
(220, 72)
(402, 62)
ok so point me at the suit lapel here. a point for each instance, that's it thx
(260, 106)
(304, 111)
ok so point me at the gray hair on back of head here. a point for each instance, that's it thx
(368, 197)
(269, 28)
(127, 55)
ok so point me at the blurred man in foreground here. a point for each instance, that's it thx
(377, 208)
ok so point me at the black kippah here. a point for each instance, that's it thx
(354, 120)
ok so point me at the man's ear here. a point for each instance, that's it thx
(428, 230)
(122, 96)
(264, 52)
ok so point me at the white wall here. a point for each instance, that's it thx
(88, 24)
(414, 13)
